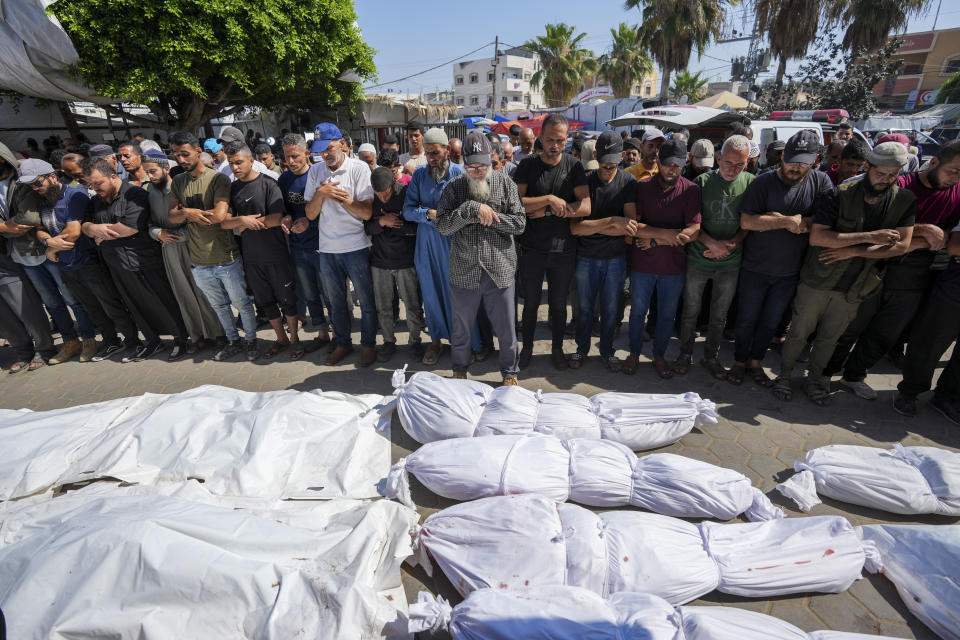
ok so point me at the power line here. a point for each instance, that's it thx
(420, 73)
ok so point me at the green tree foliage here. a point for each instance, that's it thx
(834, 79)
(950, 90)
(563, 63)
(626, 63)
(869, 22)
(690, 85)
(790, 25)
(671, 28)
(193, 60)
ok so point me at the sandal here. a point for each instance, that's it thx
(817, 394)
(18, 366)
(297, 350)
(630, 365)
(575, 360)
(662, 368)
(316, 344)
(432, 355)
(613, 363)
(736, 373)
(682, 364)
(714, 367)
(759, 377)
(781, 389)
(274, 349)
(36, 363)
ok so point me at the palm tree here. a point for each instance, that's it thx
(671, 28)
(791, 25)
(869, 22)
(563, 63)
(626, 63)
(690, 85)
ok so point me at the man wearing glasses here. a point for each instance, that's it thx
(777, 208)
(482, 212)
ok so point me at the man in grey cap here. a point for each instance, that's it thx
(853, 228)
(774, 154)
(106, 152)
(483, 212)
(701, 159)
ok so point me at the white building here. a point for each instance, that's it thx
(473, 83)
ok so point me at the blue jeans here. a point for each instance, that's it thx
(223, 285)
(56, 297)
(603, 276)
(310, 295)
(335, 268)
(763, 300)
(669, 289)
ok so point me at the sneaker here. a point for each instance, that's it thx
(130, 355)
(89, 349)
(178, 351)
(417, 349)
(559, 359)
(253, 351)
(860, 389)
(107, 350)
(69, 349)
(148, 350)
(511, 382)
(228, 350)
(905, 405)
(946, 408)
(526, 355)
(386, 351)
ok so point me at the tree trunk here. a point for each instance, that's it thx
(665, 85)
(69, 120)
(781, 70)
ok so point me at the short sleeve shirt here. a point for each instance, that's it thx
(131, 208)
(676, 208)
(720, 206)
(260, 196)
(339, 231)
(209, 244)
(607, 201)
(779, 252)
(71, 207)
(550, 233)
(292, 186)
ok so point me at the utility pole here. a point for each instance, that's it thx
(496, 61)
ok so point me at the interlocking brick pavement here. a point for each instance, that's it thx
(756, 435)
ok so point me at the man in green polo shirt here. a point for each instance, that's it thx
(715, 255)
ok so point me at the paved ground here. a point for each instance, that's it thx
(757, 435)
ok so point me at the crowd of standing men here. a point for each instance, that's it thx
(837, 255)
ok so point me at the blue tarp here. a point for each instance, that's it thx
(500, 118)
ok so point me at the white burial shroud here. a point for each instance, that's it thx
(144, 562)
(598, 473)
(434, 408)
(515, 542)
(275, 444)
(571, 613)
(906, 480)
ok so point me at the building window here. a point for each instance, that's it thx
(474, 100)
(490, 76)
(459, 101)
(952, 67)
(473, 78)
(526, 75)
(459, 80)
(647, 90)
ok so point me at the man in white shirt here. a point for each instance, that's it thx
(416, 153)
(232, 134)
(338, 191)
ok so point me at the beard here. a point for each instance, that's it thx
(479, 189)
(437, 172)
(933, 177)
(52, 195)
(162, 182)
(872, 191)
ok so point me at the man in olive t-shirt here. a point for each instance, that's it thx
(200, 196)
(715, 254)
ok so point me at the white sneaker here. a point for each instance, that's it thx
(860, 389)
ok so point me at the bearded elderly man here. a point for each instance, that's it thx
(432, 254)
(483, 212)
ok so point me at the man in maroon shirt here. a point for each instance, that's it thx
(668, 211)
(881, 319)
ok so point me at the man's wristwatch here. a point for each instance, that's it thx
(44, 243)
(653, 243)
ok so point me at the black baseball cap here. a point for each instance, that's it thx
(609, 148)
(673, 151)
(803, 146)
(632, 143)
(476, 149)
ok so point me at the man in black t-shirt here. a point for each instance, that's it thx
(256, 204)
(553, 188)
(601, 255)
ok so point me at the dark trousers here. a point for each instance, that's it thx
(147, 294)
(92, 285)
(721, 294)
(937, 326)
(878, 325)
(22, 319)
(558, 268)
(499, 306)
(762, 302)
